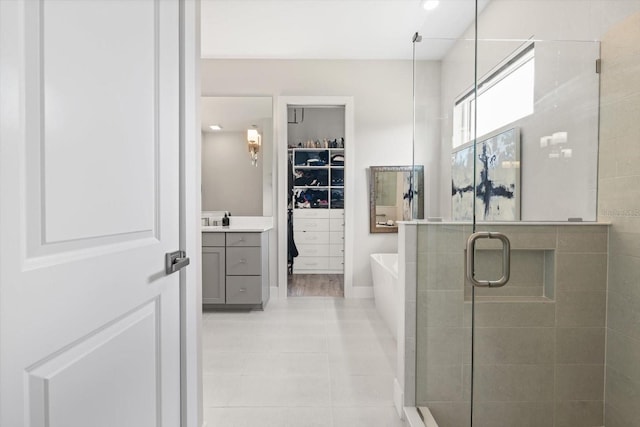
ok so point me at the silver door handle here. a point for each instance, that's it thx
(174, 261)
(506, 259)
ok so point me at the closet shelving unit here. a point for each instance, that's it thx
(318, 209)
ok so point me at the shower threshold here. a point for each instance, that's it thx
(419, 417)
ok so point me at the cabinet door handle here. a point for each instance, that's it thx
(243, 290)
(243, 261)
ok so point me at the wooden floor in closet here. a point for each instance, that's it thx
(315, 285)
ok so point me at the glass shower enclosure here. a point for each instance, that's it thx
(511, 277)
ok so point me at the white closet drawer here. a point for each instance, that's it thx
(336, 263)
(311, 237)
(336, 238)
(311, 263)
(310, 213)
(336, 213)
(336, 224)
(311, 224)
(336, 250)
(313, 250)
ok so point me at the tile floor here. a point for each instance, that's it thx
(322, 362)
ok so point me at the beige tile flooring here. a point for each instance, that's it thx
(322, 362)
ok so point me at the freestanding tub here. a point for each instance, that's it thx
(384, 269)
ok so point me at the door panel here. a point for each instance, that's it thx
(54, 394)
(84, 109)
(89, 137)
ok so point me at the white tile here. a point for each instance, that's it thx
(286, 364)
(308, 417)
(302, 362)
(223, 362)
(357, 327)
(358, 344)
(274, 391)
(366, 417)
(362, 390)
(219, 390)
(245, 417)
(297, 344)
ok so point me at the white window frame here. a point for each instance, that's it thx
(464, 105)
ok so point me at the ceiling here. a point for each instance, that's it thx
(331, 29)
(235, 114)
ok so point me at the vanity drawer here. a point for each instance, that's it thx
(311, 237)
(212, 239)
(336, 224)
(244, 290)
(336, 213)
(243, 262)
(311, 263)
(310, 213)
(336, 263)
(243, 239)
(336, 251)
(311, 224)
(336, 238)
(313, 250)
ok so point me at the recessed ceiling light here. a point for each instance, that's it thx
(430, 4)
(215, 127)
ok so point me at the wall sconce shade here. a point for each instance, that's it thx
(254, 141)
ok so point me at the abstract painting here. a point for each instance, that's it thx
(497, 185)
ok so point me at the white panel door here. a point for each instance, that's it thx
(89, 151)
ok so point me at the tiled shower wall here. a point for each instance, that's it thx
(619, 203)
(540, 340)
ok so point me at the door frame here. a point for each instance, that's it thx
(190, 212)
(282, 159)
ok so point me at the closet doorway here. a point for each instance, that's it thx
(315, 153)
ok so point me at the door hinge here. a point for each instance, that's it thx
(598, 66)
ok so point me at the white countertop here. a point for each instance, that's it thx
(243, 224)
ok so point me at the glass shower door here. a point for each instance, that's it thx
(536, 263)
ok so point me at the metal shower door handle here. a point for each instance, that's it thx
(506, 259)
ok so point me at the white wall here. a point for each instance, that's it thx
(383, 119)
(229, 181)
(318, 123)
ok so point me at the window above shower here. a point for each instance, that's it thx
(505, 95)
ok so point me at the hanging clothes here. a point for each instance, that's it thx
(293, 250)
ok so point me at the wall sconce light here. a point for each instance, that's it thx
(254, 141)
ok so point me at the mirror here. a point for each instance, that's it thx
(230, 180)
(392, 198)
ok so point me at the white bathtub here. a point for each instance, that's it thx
(384, 269)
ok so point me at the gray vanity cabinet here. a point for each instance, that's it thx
(213, 268)
(235, 272)
(213, 275)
